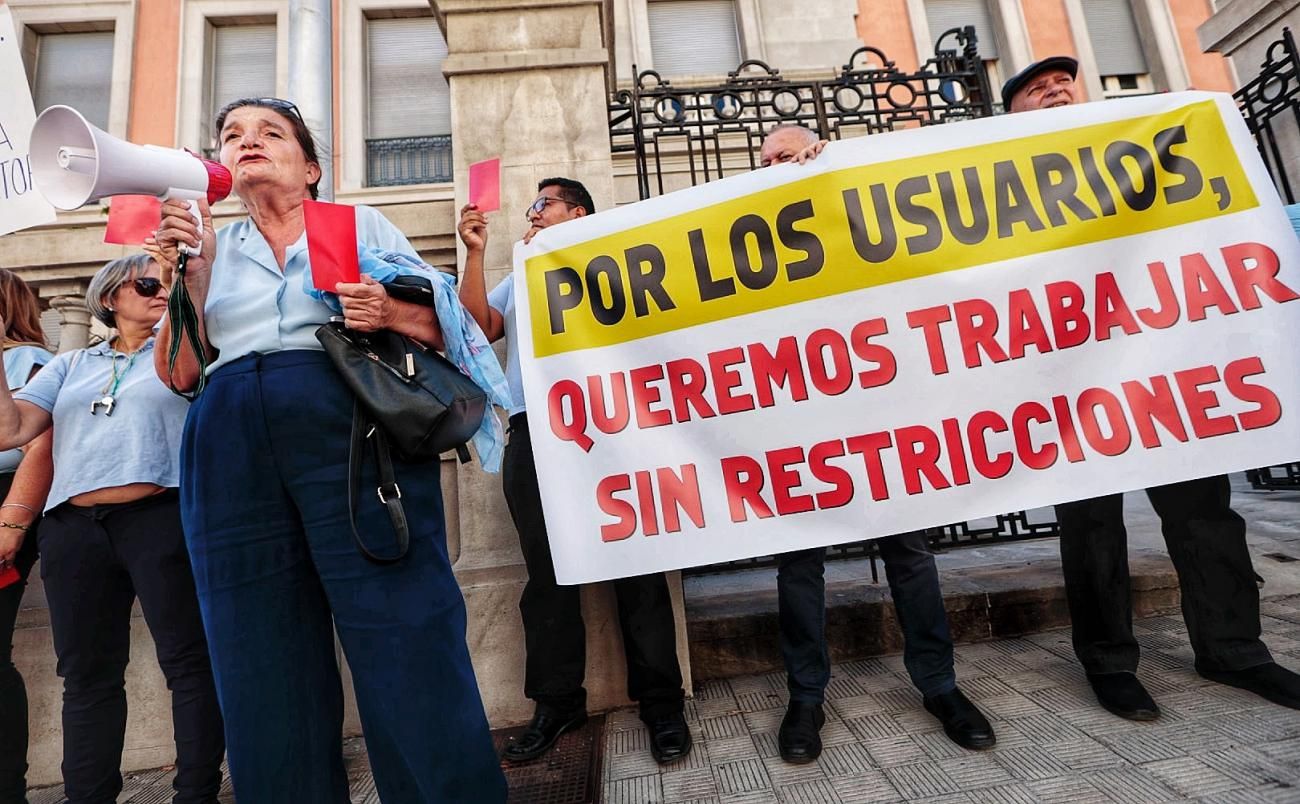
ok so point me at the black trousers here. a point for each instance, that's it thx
(918, 605)
(555, 638)
(13, 693)
(1207, 543)
(95, 561)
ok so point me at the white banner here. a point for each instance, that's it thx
(916, 328)
(20, 205)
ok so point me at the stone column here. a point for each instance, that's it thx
(528, 84)
(74, 321)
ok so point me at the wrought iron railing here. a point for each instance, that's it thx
(686, 135)
(408, 160)
(1270, 103)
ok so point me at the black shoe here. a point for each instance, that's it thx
(541, 734)
(962, 722)
(1122, 694)
(670, 738)
(1270, 681)
(798, 740)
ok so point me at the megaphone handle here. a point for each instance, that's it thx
(194, 251)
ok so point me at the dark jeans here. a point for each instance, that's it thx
(264, 468)
(95, 562)
(1207, 542)
(554, 635)
(918, 604)
(13, 693)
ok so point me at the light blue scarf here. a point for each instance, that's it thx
(466, 345)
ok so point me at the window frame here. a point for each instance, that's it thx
(31, 17)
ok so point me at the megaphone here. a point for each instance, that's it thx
(74, 163)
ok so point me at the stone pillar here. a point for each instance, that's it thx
(528, 84)
(74, 321)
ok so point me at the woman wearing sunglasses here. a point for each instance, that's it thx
(111, 533)
(265, 503)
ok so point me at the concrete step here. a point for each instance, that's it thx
(734, 630)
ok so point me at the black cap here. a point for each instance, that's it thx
(1017, 82)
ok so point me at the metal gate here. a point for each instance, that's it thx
(1271, 105)
(680, 136)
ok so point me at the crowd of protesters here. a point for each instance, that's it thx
(227, 518)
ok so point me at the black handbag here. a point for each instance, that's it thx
(409, 400)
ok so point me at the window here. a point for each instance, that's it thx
(241, 64)
(943, 15)
(408, 116)
(73, 69)
(1113, 32)
(694, 37)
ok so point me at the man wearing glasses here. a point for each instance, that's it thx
(554, 636)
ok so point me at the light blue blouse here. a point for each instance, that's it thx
(139, 443)
(254, 307)
(502, 299)
(19, 362)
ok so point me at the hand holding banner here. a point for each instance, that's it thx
(21, 206)
(1073, 303)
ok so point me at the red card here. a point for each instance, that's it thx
(132, 218)
(331, 244)
(485, 185)
(9, 576)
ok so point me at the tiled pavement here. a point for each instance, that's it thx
(1212, 743)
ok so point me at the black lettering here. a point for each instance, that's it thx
(979, 226)
(611, 313)
(563, 292)
(710, 288)
(798, 240)
(649, 282)
(1058, 186)
(765, 274)
(884, 248)
(912, 212)
(1096, 183)
(1192, 182)
(1012, 201)
(1116, 153)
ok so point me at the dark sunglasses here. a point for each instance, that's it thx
(147, 286)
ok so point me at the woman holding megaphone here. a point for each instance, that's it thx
(111, 534)
(263, 496)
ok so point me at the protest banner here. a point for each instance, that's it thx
(20, 205)
(916, 328)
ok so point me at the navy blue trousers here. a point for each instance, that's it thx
(918, 604)
(264, 479)
(1207, 543)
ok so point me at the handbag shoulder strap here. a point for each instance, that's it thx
(389, 493)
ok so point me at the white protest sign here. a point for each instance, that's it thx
(20, 205)
(916, 328)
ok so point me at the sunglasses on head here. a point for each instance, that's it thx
(279, 104)
(147, 286)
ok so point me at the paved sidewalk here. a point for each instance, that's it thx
(1212, 743)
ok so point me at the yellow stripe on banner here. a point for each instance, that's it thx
(872, 225)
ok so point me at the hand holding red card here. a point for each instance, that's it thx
(485, 185)
(331, 244)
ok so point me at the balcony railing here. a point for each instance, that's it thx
(408, 160)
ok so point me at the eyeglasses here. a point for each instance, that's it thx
(539, 205)
(147, 286)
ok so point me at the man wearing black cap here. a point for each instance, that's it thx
(1205, 537)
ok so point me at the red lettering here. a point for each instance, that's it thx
(1261, 274)
(1202, 289)
(645, 497)
(1065, 426)
(1268, 408)
(726, 379)
(785, 481)
(869, 446)
(977, 328)
(607, 420)
(1065, 306)
(1112, 310)
(1041, 458)
(956, 452)
(686, 386)
(742, 479)
(677, 493)
(918, 453)
(1026, 325)
(928, 321)
(976, 430)
(886, 365)
(1168, 313)
(1199, 403)
(644, 395)
(777, 370)
(816, 347)
(621, 510)
(840, 481)
(1155, 404)
(1120, 438)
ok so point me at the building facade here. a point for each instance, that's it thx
(422, 88)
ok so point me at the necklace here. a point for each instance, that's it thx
(108, 394)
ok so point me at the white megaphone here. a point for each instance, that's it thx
(74, 162)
